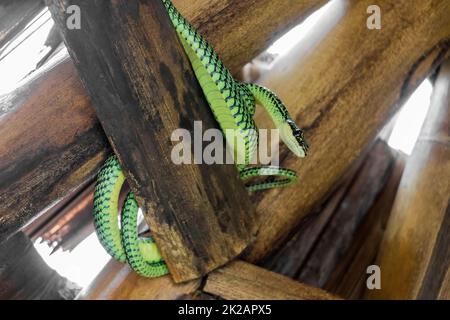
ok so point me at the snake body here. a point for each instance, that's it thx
(233, 104)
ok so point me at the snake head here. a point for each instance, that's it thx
(294, 138)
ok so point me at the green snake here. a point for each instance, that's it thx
(233, 104)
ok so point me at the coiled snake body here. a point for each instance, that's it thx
(233, 104)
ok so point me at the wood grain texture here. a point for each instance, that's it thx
(243, 281)
(50, 136)
(341, 84)
(248, 27)
(349, 276)
(143, 88)
(118, 282)
(51, 143)
(415, 254)
(341, 229)
(327, 242)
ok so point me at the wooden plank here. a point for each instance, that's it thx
(118, 282)
(342, 84)
(24, 275)
(289, 259)
(141, 83)
(51, 143)
(341, 228)
(50, 139)
(325, 238)
(238, 280)
(349, 277)
(243, 281)
(415, 254)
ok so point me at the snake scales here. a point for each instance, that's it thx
(233, 104)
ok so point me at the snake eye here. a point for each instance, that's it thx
(296, 131)
(298, 135)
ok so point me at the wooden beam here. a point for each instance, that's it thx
(323, 239)
(349, 277)
(253, 24)
(50, 139)
(118, 282)
(243, 281)
(342, 84)
(238, 280)
(415, 254)
(51, 143)
(350, 94)
(338, 235)
(141, 83)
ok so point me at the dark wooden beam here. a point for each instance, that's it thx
(51, 143)
(143, 88)
(50, 139)
(349, 276)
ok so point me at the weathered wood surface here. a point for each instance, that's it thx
(50, 139)
(51, 143)
(333, 233)
(240, 30)
(240, 280)
(14, 17)
(348, 87)
(341, 86)
(143, 88)
(349, 276)
(118, 282)
(415, 254)
(25, 275)
(340, 231)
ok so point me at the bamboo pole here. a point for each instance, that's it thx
(342, 84)
(415, 253)
(243, 281)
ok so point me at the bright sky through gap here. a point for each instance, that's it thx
(296, 34)
(17, 62)
(410, 120)
(81, 265)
